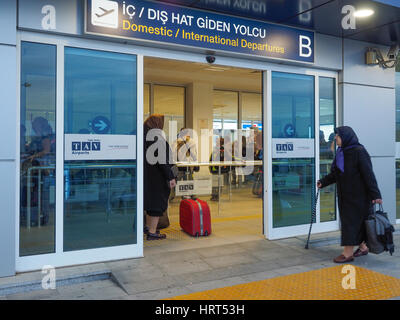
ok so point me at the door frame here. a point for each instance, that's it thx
(60, 258)
(397, 157)
(130, 251)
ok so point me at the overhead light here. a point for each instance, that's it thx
(363, 13)
(218, 69)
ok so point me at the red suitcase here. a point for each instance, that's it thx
(194, 217)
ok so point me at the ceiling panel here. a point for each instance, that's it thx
(166, 71)
(323, 16)
(269, 10)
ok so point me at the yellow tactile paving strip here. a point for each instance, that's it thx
(322, 284)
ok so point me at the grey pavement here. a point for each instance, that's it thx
(166, 274)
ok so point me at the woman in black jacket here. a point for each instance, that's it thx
(159, 178)
(357, 188)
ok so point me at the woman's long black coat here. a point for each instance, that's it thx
(356, 188)
(156, 180)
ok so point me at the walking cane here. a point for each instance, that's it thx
(313, 214)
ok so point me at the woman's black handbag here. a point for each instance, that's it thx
(379, 232)
(163, 222)
(258, 184)
(175, 170)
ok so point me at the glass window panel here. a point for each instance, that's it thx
(99, 196)
(146, 101)
(251, 110)
(293, 183)
(292, 104)
(225, 114)
(251, 116)
(38, 148)
(327, 120)
(226, 108)
(170, 101)
(398, 106)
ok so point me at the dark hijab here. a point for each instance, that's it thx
(155, 121)
(349, 140)
(348, 136)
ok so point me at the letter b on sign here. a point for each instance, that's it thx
(349, 281)
(305, 46)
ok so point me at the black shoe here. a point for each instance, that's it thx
(156, 236)
(146, 230)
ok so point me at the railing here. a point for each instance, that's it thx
(67, 167)
(29, 198)
(37, 172)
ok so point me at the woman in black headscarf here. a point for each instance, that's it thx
(357, 189)
(159, 177)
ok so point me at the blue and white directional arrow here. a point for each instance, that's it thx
(101, 125)
(289, 130)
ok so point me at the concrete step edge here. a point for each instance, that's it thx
(21, 287)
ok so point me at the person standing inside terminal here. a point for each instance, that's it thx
(159, 177)
(357, 190)
(185, 150)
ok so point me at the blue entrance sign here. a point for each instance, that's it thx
(101, 125)
(289, 131)
(156, 22)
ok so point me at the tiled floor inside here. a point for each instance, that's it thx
(234, 218)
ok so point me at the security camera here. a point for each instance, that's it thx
(393, 51)
(210, 59)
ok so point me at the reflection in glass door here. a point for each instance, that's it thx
(100, 128)
(37, 149)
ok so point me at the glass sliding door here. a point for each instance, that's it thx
(293, 163)
(100, 110)
(37, 149)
